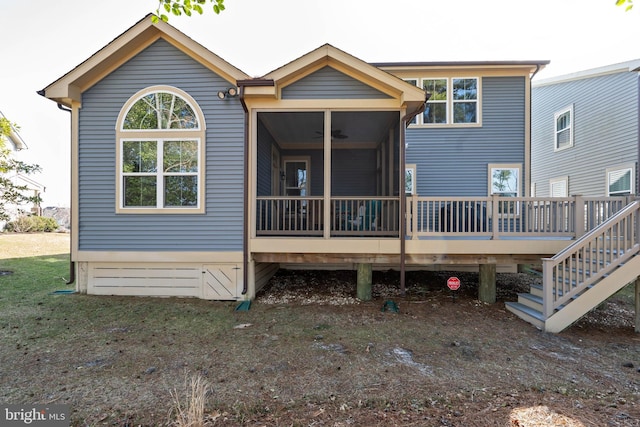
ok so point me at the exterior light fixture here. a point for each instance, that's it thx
(232, 92)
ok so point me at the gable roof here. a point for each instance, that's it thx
(328, 55)
(14, 137)
(69, 87)
(621, 67)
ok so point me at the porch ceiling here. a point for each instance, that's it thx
(353, 127)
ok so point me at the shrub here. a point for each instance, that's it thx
(32, 224)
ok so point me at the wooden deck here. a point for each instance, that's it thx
(463, 230)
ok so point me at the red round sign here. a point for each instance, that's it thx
(453, 283)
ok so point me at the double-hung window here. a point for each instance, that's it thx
(453, 101)
(437, 106)
(564, 128)
(160, 153)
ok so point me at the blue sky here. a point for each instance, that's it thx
(43, 39)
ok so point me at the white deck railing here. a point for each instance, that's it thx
(490, 217)
(588, 259)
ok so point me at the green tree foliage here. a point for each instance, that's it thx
(187, 7)
(627, 4)
(11, 193)
(32, 224)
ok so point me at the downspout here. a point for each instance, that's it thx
(245, 245)
(245, 209)
(403, 201)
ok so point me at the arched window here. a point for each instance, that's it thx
(160, 153)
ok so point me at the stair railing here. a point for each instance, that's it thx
(597, 253)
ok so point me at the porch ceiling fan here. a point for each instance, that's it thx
(335, 134)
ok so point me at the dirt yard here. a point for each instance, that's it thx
(308, 353)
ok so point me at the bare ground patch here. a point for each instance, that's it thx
(308, 353)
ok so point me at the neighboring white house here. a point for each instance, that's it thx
(15, 144)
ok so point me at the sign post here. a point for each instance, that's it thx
(453, 283)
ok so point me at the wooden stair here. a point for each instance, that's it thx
(529, 305)
(585, 274)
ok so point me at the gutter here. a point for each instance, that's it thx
(401, 187)
(245, 237)
(72, 264)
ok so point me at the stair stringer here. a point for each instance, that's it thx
(593, 296)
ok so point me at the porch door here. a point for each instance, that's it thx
(296, 177)
(296, 184)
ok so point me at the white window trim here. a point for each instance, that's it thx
(450, 103)
(558, 180)
(621, 168)
(557, 114)
(161, 135)
(411, 168)
(453, 101)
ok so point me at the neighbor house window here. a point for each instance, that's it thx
(452, 101)
(160, 152)
(620, 181)
(564, 128)
(559, 187)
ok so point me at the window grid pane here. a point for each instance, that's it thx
(139, 156)
(140, 191)
(180, 191)
(504, 182)
(464, 112)
(180, 156)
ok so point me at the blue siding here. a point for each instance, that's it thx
(605, 131)
(328, 83)
(453, 161)
(220, 228)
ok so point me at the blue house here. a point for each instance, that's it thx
(191, 178)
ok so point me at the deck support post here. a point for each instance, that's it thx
(487, 285)
(364, 281)
(637, 329)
